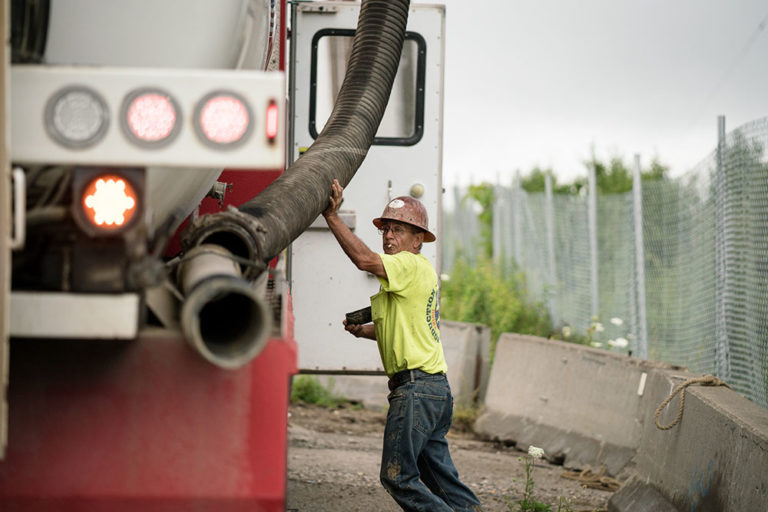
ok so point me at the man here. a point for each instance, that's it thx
(416, 466)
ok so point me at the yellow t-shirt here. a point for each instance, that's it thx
(406, 315)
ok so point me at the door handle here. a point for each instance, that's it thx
(19, 208)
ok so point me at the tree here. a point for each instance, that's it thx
(535, 182)
(616, 178)
(613, 177)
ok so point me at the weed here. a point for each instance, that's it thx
(308, 389)
(529, 502)
(489, 294)
(464, 418)
(611, 337)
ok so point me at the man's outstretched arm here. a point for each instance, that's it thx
(361, 331)
(362, 256)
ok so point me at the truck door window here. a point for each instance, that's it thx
(403, 121)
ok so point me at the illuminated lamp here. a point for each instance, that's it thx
(150, 117)
(223, 119)
(272, 119)
(107, 201)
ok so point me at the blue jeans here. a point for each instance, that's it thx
(416, 467)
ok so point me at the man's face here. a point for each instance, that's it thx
(397, 236)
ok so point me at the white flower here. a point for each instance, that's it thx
(620, 342)
(445, 277)
(566, 332)
(596, 344)
(535, 452)
(599, 327)
(617, 321)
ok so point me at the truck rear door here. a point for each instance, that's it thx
(405, 159)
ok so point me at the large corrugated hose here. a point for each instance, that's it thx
(291, 203)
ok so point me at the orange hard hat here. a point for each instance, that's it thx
(409, 210)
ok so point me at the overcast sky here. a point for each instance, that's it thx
(542, 82)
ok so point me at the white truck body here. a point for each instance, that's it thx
(405, 159)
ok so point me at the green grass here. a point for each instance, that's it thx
(309, 390)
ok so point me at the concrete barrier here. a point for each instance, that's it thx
(369, 390)
(467, 349)
(581, 405)
(715, 459)
(592, 407)
(637, 496)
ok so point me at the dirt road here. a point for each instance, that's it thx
(333, 466)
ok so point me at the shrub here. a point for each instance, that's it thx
(486, 294)
(308, 389)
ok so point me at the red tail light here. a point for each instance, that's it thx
(223, 119)
(150, 117)
(272, 121)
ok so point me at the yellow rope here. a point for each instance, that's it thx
(706, 380)
(588, 478)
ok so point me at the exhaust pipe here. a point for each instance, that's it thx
(224, 317)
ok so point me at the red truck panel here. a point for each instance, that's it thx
(145, 425)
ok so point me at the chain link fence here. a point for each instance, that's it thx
(680, 265)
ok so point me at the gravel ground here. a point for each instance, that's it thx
(334, 455)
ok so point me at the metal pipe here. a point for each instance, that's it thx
(637, 212)
(223, 316)
(593, 257)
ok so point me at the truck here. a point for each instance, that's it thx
(165, 164)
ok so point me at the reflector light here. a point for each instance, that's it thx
(109, 202)
(223, 119)
(272, 119)
(150, 117)
(76, 117)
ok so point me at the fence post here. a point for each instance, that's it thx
(592, 219)
(496, 227)
(722, 364)
(463, 227)
(549, 218)
(517, 219)
(637, 200)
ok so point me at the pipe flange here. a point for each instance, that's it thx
(238, 232)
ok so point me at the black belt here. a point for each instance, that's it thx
(408, 376)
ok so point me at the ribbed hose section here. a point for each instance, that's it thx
(289, 205)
